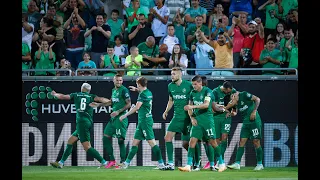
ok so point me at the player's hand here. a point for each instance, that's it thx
(114, 114)
(94, 105)
(164, 115)
(194, 122)
(132, 88)
(253, 116)
(122, 117)
(228, 114)
(53, 93)
(187, 107)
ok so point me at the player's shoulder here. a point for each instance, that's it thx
(171, 84)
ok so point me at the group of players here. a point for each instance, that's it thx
(201, 115)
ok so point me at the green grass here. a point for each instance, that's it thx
(148, 173)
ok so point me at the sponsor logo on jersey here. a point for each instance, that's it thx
(115, 100)
(243, 108)
(179, 97)
(242, 103)
(184, 90)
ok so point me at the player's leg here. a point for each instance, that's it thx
(256, 136)
(244, 135)
(218, 126)
(169, 146)
(72, 139)
(225, 130)
(108, 132)
(133, 151)
(210, 134)
(84, 136)
(195, 134)
(210, 154)
(149, 136)
(197, 156)
(121, 129)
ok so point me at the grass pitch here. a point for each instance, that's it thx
(148, 173)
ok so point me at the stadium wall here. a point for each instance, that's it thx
(44, 138)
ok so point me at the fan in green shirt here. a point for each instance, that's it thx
(44, 59)
(26, 57)
(271, 58)
(110, 61)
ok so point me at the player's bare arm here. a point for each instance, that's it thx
(190, 113)
(60, 96)
(217, 108)
(134, 89)
(168, 108)
(127, 106)
(256, 105)
(234, 100)
(133, 110)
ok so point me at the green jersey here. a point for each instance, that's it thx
(245, 106)
(198, 98)
(119, 97)
(219, 97)
(180, 96)
(82, 101)
(145, 111)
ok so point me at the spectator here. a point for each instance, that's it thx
(256, 12)
(272, 20)
(68, 7)
(140, 32)
(26, 58)
(162, 60)
(191, 13)
(86, 64)
(240, 7)
(27, 30)
(215, 18)
(116, 25)
(25, 6)
(148, 49)
(159, 17)
(203, 55)
(65, 65)
(43, 5)
(133, 61)
(223, 53)
(179, 31)
(124, 5)
(120, 50)
(33, 15)
(46, 33)
(208, 5)
(59, 47)
(293, 62)
(271, 58)
(74, 30)
(177, 59)
(293, 20)
(170, 39)
(283, 48)
(175, 6)
(92, 9)
(109, 61)
(254, 42)
(238, 30)
(284, 6)
(44, 59)
(100, 38)
(133, 13)
(279, 34)
(225, 4)
(191, 37)
(222, 26)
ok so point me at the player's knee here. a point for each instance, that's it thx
(224, 137)
(193, 142)
(120, 141)
(256, 143)
(185, 145)
(168, 138)
(242, 142)
(213, 143)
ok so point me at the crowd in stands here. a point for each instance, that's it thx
(152, 34)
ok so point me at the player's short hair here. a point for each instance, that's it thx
(227, 85)
(204, 81)
(170, 25)
(176, 69)
(118, 75)
(197, 78)
(142, 81)
(86, 86)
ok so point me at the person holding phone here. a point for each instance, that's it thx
(222, 26)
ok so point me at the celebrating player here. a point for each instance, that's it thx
(248, 105)
(84, 121)
(120, 101)
(222, 123)
(200, 112)
(144, 130)
(179, 92)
